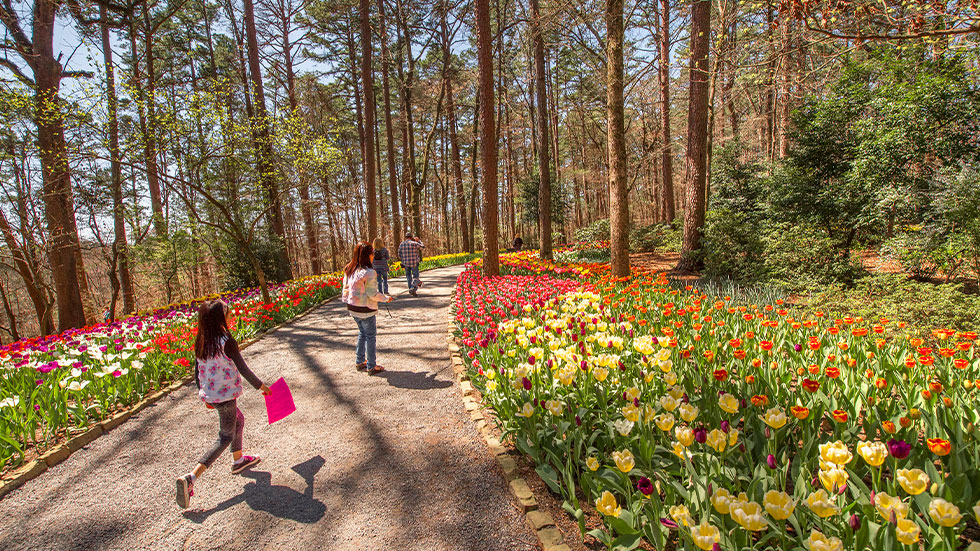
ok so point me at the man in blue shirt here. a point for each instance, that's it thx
(410, 254)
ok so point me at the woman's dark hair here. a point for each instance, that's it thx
(360, 259)
(212, 325)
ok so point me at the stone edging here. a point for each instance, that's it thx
(59, 453)
(541, 522)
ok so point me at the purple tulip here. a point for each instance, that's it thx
(900, 449)
(725, 426)
(578, 421)
(798, 347)
(636, 402)
(531, 360)
(771, 461)
(527, 383)
(644, 485)
(668, 522)
(700, 435)
(855, 522)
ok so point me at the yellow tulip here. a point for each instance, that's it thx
(681, 515)
(669, 403)
(873, 453)
(633, 393)
(592, 463)
(775, 417)
(717, 440)
(624, 460)
(607, 505)
(820, 542)
(600, 373)
(554, 406)
(721, 500)
(887, 505)
(670, 378)
(913, 481)
(681, 451)
(705, 536)
(728, 403)
(631, 413)
(684, 435)
(835, 452)
(649, 414)
(732, 437)
(688, 412)
(821, 504)
(831, 476)
(527, 410)
(907, 531)
(664, 421)
(944, 513)
(779, 505)
(749, 515)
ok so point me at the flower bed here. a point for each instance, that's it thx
(718, 424)
(51, 386)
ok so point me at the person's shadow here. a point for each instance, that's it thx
(279, 501)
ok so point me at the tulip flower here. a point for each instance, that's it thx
(728, 403)
(606, 504)
(706, 536)
(873, 453)
(887, 506)
(624, 460)
(684, 435)
(944, 513)
(779, 505)
(939, 446)
(718, 440)
(821, 504)
(644, 486)
(907, 531)
(899, 449)
(775, 417)
(913, 481)
(835, 452)
(592, 463)
(721, 500)
(819, 542)
(681, 515)
(748, 515)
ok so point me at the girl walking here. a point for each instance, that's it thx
(360, 293)
(218, 369)
(381, 259)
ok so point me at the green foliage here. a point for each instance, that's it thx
(659, 237)
(584, 252)
(596, 231)
(239, 272)
(924, 254)
(528, 200)
(889, 125)
(958, 204)
(924, 306)
(732, 246)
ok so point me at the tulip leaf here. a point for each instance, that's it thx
(550, 477)
(627, 542)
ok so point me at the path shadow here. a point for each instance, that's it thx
(279, 501)
(413, 380)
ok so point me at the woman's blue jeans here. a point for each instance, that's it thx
(367, 332)
(382, 282)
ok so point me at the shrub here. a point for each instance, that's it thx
(596, 231)
(924, 306)
(924, 254)
(732, 247)
(660, 237)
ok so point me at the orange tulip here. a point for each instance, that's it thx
(939, 446)
(800, 412)
(760, 400)
(839, 415)
(889, 427)
(832, 372)
(811, 385)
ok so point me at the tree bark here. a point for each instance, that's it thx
(697, 132)
(148, 126)
(488, 139)
(616, 141)
(456, 161)
(367, 83)
(665, 208)
(544, 145)
(120, 243)
(389, 133)
(268, 174)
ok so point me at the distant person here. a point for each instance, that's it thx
(361, 295)
(218, 368)
(410, 253)
(106, 315)
(518, 243)
(381, 259)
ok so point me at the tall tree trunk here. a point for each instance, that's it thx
(367, 82)
(120, 243)
(488, 139)
(697, 135)
(389, 133)
(64, 248)
(665, 208)
(616, 141)
(149, 125)
(408, 83)
(268, 174)
(544, 123)
(456, 161)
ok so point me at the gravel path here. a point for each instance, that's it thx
(386, 462)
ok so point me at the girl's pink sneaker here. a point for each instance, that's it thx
(247, 461)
